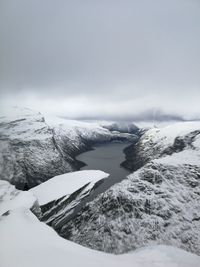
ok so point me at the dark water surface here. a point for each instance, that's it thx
(106, 157)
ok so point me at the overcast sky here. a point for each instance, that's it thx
(101, 58)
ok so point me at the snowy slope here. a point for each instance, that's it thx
(79, 135)
(175, 144)
(165, 136)
(157, 204)
(59, 196)
(73, 127)
(66, 184)
(158, 142)
(26, 242)
(11, 198)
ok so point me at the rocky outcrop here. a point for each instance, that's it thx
(60, 196)
(157, 204)
(56, 213)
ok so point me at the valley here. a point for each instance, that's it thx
(106, 187)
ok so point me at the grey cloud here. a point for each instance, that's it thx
(118, 52)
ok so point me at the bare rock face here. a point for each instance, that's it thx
(157, 204)
(29, 154)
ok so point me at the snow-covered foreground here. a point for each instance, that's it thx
(11, 198)
(26, 242)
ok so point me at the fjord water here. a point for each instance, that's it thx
(106, 157)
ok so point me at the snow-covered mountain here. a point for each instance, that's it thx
(11, 199)
(34, 149)
(157, 204)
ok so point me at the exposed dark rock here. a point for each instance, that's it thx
(159, 203)
(136, 218)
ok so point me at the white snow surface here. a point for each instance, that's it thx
(72, 128)
(66, 184)
(167, 134)
(15, 113)
(191, 157)
(23, 124)
(11, 198)
(26, 242)
(154, 142)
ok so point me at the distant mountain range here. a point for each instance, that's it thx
(148, 115)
